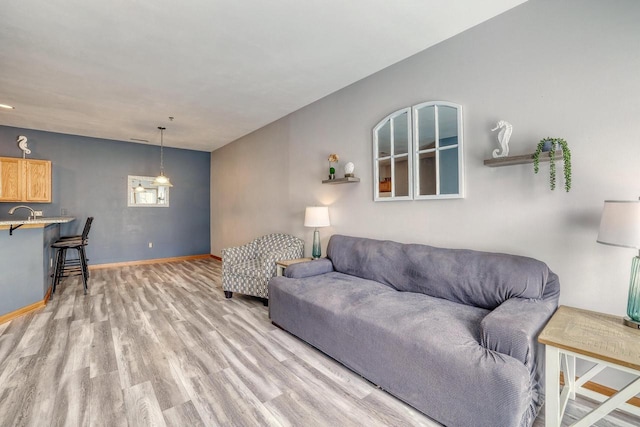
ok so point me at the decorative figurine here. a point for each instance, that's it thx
(348, 170)
(333, 158)
(503, 138)
(22, 144)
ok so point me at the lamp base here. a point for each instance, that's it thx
(633, 304)
(317, 251)
(631, 323)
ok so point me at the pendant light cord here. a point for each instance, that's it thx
(162, 129)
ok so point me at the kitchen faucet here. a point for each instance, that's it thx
(13, 209)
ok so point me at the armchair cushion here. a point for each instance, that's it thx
(250, 267)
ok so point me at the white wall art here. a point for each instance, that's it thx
(22, 144)
(503, 138)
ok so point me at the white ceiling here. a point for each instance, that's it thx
(117, 69)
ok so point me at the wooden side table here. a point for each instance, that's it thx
(599, 338)
(283, 264)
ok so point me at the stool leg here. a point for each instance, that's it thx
(55, 273)
(86, 262)
(83, 267)
(59, 268)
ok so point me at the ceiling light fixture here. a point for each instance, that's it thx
(139, 188)
(8, 107)
(162, 180)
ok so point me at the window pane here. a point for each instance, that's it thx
(449, 171)
(384, 172)
(427, 178)
(447, 125)
(401, 166)
(384, 140)
(426, 128)
(401, 134)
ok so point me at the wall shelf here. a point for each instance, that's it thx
(341, 180)
(519, 160)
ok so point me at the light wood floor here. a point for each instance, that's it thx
(159, 345)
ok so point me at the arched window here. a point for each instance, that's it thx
(418, 153)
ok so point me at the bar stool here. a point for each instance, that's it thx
(72, 267)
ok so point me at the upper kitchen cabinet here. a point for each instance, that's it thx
(25, 180)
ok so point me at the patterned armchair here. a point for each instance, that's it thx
(247, 269)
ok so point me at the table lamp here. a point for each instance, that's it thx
(620, 226)
(316, 217)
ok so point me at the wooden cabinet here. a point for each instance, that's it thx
(37, 181)
(11, 186)
(25, 180)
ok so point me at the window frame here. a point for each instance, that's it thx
(437, 150)
(392, 157)
(413, 154)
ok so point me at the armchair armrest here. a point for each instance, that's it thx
(309, 268)
(513, 327)
(237, 254)
(269, 259)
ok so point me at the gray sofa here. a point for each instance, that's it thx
(450, 332)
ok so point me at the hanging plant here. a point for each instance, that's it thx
(554, 144)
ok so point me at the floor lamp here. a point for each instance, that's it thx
(620, 226)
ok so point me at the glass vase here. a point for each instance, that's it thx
(633, 305)
(316, 251)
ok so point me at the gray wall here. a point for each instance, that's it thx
(552, 68)
(563, 69)
(90, 179)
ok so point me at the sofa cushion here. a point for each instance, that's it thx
(480, 279)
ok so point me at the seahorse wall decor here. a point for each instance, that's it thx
(503, 138)
(22, 144)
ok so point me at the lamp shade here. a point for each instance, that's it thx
(620, 224)
(316, 216)
(162, 181)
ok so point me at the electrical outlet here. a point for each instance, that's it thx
(150, 244)
(37, 213)
(63, 211)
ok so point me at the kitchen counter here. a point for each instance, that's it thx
(6, 223)
(26, 262)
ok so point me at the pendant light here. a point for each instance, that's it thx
(139, 188)
(162, 180)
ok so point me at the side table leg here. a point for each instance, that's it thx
(552, 414)
(570, 377)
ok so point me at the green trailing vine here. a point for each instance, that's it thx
(556, 143)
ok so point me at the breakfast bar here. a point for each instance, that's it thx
(26, 262)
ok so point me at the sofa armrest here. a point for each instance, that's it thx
(513, 327)
(238, 254)
(309, 268)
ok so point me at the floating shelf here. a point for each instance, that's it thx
(341, 180)
(519, 160)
